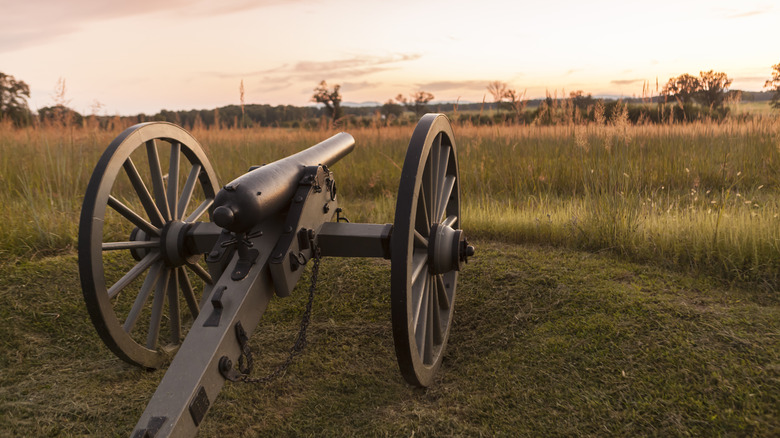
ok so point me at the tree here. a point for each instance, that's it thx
(13, 99)
(712, 88)
(683, 88)
(498, 90)
(331, 99)
(774, 84)
(582, 101)
(581, 104)
(59, 115)
(418, 102)
(709, 89)
(391, 109)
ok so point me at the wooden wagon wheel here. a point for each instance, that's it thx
(142, 235)
(427, 249)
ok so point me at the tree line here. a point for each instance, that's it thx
(682, 98)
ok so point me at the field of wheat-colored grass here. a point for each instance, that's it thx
(700, 196)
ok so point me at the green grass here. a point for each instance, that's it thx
(545, 342)
(763, 108)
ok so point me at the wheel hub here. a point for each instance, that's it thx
(447, 249)
(173, 244)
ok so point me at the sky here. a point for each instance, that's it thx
(147, 55)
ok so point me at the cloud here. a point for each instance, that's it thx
(354, 67)
(284, 68)
(315, 71)
(32, 22)
(266, 86)
(625, 81)
(751, 78)
(453, 85)
(356, 62)
(750, 13)
(355, 86)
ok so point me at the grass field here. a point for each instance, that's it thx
(545, 342)
(698, 196)
(634, 290)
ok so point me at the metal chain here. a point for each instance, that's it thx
(299, 345)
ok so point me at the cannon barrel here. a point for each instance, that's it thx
(262, 192)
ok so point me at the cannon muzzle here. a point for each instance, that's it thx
(267, 190)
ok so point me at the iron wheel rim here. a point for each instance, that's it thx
(162, 284)
(423, 303)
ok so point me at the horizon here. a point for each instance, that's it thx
(182, 55)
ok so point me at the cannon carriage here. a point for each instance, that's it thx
(203, 262)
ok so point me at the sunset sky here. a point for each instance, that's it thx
(148, 55)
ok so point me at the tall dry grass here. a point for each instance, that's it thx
(700, 195)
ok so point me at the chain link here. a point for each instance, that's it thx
(300, 343)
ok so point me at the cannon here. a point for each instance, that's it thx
(191, 258)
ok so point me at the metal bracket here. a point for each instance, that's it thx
(227, 370)
(220, 255)
(216, 302)
(339, 217)
(305, 217)
(246, 258)
(245, 362)
(199, 406)
(221, 247)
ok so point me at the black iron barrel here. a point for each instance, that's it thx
(267, 190)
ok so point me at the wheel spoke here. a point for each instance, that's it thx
(202, 208)
(450, 221)
(421, 313)
(421, 222)
(133, 273)
(143, 296)
(189, 293)
(143, 194)
(433, 189)
(130, 215)
(427, 187)
(428, 350)
(419, 240)
(157, 309)
(187, 191)
(444, 298)
(173, 179)
(436, 333)
(421, 328)
(173, 306)
(157, 179)
(114, 246)
(444, 196)
(419, 261)
(444, 162)
(198, 269)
